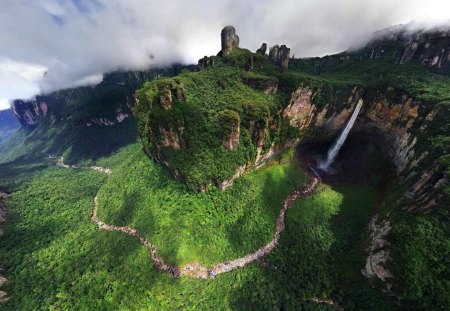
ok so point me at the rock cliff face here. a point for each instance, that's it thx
(398, 119)
(431, 49)
(378, 251)
(268, 85)
(399, 122)
(428, 48)
(280, 55)
(230, 41)
(29, 112)
(106, 104)
(262, 50)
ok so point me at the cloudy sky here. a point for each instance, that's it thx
(46, 45)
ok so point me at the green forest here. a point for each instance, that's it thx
(159, 172)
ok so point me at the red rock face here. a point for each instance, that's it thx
(300, 110)
(27, 112)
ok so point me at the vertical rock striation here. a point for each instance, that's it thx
(230, 41)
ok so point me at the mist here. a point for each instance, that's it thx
(49, 45)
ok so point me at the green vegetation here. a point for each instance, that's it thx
(204, 104)
(189, 227)
(420, 246)
(58, 259)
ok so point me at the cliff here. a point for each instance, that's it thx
(105, 104)
(244, 107)
(430, 48)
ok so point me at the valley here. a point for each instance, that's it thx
(209, 186)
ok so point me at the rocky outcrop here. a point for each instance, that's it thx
(430, 48)
(262, 50)
(230, 124)
(280, 55)
(230, 41)
(396, 121)
(224, 184)
(300, 111)
(170, 138)
(167, 92)
(105, 104)
(231, 141)
(28, 112)
(205, 62)
(378, 253)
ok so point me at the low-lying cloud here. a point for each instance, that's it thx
(47, 45)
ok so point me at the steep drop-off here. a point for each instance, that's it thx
(210, 126)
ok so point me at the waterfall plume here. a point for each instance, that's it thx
(334, 150)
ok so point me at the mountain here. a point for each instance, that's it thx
(74, 121)
(8, 125)
(241, 109)
(207, 168)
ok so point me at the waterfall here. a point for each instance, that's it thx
(333, 151)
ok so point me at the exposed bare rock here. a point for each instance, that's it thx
(300, 110)
(262, 50)
(29, 112)
(231, 142)
(280, 55)
(395, 120)
(169, 138)
(230, 41)
(274, 52)
(378, 254)
(205, 62)
(224, 184)
(284, 55)
(230, 124)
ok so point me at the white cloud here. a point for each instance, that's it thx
(75, 41)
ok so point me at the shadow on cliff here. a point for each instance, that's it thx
(79, 145)
(87, 144)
